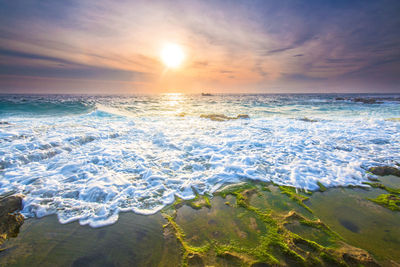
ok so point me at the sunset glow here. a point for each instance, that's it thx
(239, 47)
(200, 133)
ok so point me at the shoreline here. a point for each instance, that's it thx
(199, 228)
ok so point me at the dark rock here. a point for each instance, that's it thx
(367, 100)
(385, 170)
(356, 257)
(339, 98)
(242, 116)
(307, 119)
(10, 221)
(222, 117)
(215, 117)
(10, 204)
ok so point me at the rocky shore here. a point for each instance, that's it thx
(10, 219)
(248, 224)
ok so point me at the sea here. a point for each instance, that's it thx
(88, 158)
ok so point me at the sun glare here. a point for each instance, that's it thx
(172, 55)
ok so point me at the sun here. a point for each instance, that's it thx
(172, 55)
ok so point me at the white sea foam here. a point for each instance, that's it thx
(90, 167)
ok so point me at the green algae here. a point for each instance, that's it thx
(389, 201)
(196, 203)
(238, 227)
(384, 187)
(376, 228)
(275, 245)
(322, 188)
(328, 258)
(207, 201)
(291, 192)
(235, 189)
(242, 229)
(188, 250)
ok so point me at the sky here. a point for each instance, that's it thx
(114, 47)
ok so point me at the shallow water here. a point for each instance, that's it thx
(88, 158)
(138, 240)
(359, 221)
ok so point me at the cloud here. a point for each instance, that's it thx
(259, 41)
(62, 69)
(25, 55)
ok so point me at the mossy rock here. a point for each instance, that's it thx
(389, 201)
(385, 170)
(308, 119)
(357, 257)
(195, 260)
(291, 192)
(10, 221)
(322, 188)
(384, 187)
(277, 245)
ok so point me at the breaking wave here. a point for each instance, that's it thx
(115, 154)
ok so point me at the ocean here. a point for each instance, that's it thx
(88, 158)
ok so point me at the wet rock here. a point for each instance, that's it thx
(340, 98)
(293, 216)
(393, 119)
(385, 170)
(222, 117)
(195, 260)
(242, 116)
(389, 201)
(356, 256)
(367, 100)
(10, 204)
(373, 179)
(10, 221)
(234, 259)
(215, 117)
(253, 224)
(307, 119)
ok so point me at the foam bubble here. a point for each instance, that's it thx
(91, 167)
